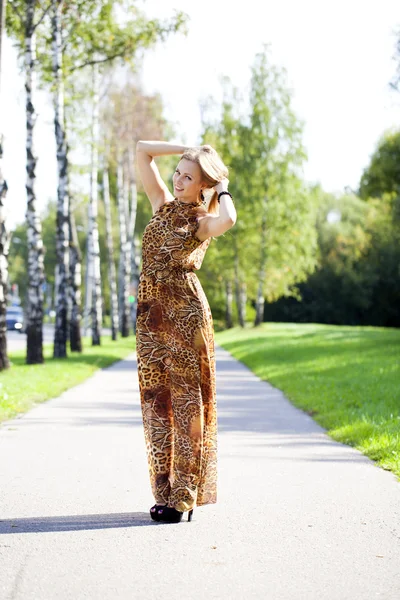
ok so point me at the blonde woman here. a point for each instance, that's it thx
(174, 330)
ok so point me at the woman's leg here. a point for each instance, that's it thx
(154, 383)
(187, 409)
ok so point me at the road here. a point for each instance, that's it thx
(298, 517)
(17, 341)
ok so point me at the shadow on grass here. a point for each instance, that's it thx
(349, 347)
(75, 523)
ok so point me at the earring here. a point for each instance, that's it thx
(202, 197)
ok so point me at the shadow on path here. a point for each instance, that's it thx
(75, 523)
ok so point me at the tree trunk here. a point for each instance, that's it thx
(4, 247)
(135, 259)
(112, 277)
(34, 310)
(4, 237)
(243, 297)
(260, 300)
(62, 233)
(96, 308)
(238, 284)
(228, 298)
(75, 282)
(124, 256)
(88, 281)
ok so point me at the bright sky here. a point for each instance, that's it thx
(339, 59)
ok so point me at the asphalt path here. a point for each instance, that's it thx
(298, 516)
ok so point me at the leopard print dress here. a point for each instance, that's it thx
(176, 360)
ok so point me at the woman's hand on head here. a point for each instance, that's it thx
(222, 186)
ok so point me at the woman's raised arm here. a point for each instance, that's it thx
(155, 188)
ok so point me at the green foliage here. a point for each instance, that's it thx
(345, 377)
(92, 31)
(261, 142)
(382, 174)
(358, 276)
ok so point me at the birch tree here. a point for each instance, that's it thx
(34, 311)
(124, 254)
(93, 230)
(24, 20)
(228, 308)
(283, 211)
(273, 244)
(62, 223)
(85, 44)
(127, 116)
(112, 280)
(75, 262)
(131, 234)
(227, 255)
(4, 238)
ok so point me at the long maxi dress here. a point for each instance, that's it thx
(176, 360)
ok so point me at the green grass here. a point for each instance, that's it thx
(347, 378)
(23, 385)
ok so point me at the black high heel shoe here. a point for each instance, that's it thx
(171, 515)
(154, 511)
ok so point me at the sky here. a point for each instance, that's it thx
(339, 62)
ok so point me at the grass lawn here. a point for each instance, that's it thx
(23, 385)
(347, 378)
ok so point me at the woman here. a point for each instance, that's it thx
(174, 329)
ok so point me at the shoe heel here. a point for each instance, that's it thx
(190, 515)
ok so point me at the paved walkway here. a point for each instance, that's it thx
(299, 516)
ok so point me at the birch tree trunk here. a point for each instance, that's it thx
(4, 237)
(260, 300)
(88, 281)
(228, 300)
(112, 277)
(238, 283)
(124, 256)
(96, 307)
(75, 339)
(34, 310)
(4, 247)
(243, 298)
(62, 233)
(131, 236)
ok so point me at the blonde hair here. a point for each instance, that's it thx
(212, 169)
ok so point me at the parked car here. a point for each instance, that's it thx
(15, 318)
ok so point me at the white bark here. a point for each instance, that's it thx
(260, 300)
(125, 254)
(238, 285)
(34, 310)
(62, 234)
(4, 237)
(131, 235)
(75, 283)
(88, 281)
(228, 305)
(96, 305)
(112, 277)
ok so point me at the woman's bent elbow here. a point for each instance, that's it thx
(232, 220)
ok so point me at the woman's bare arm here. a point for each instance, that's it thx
(155, 188)
(213, 226)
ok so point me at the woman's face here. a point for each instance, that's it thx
(187, 180)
